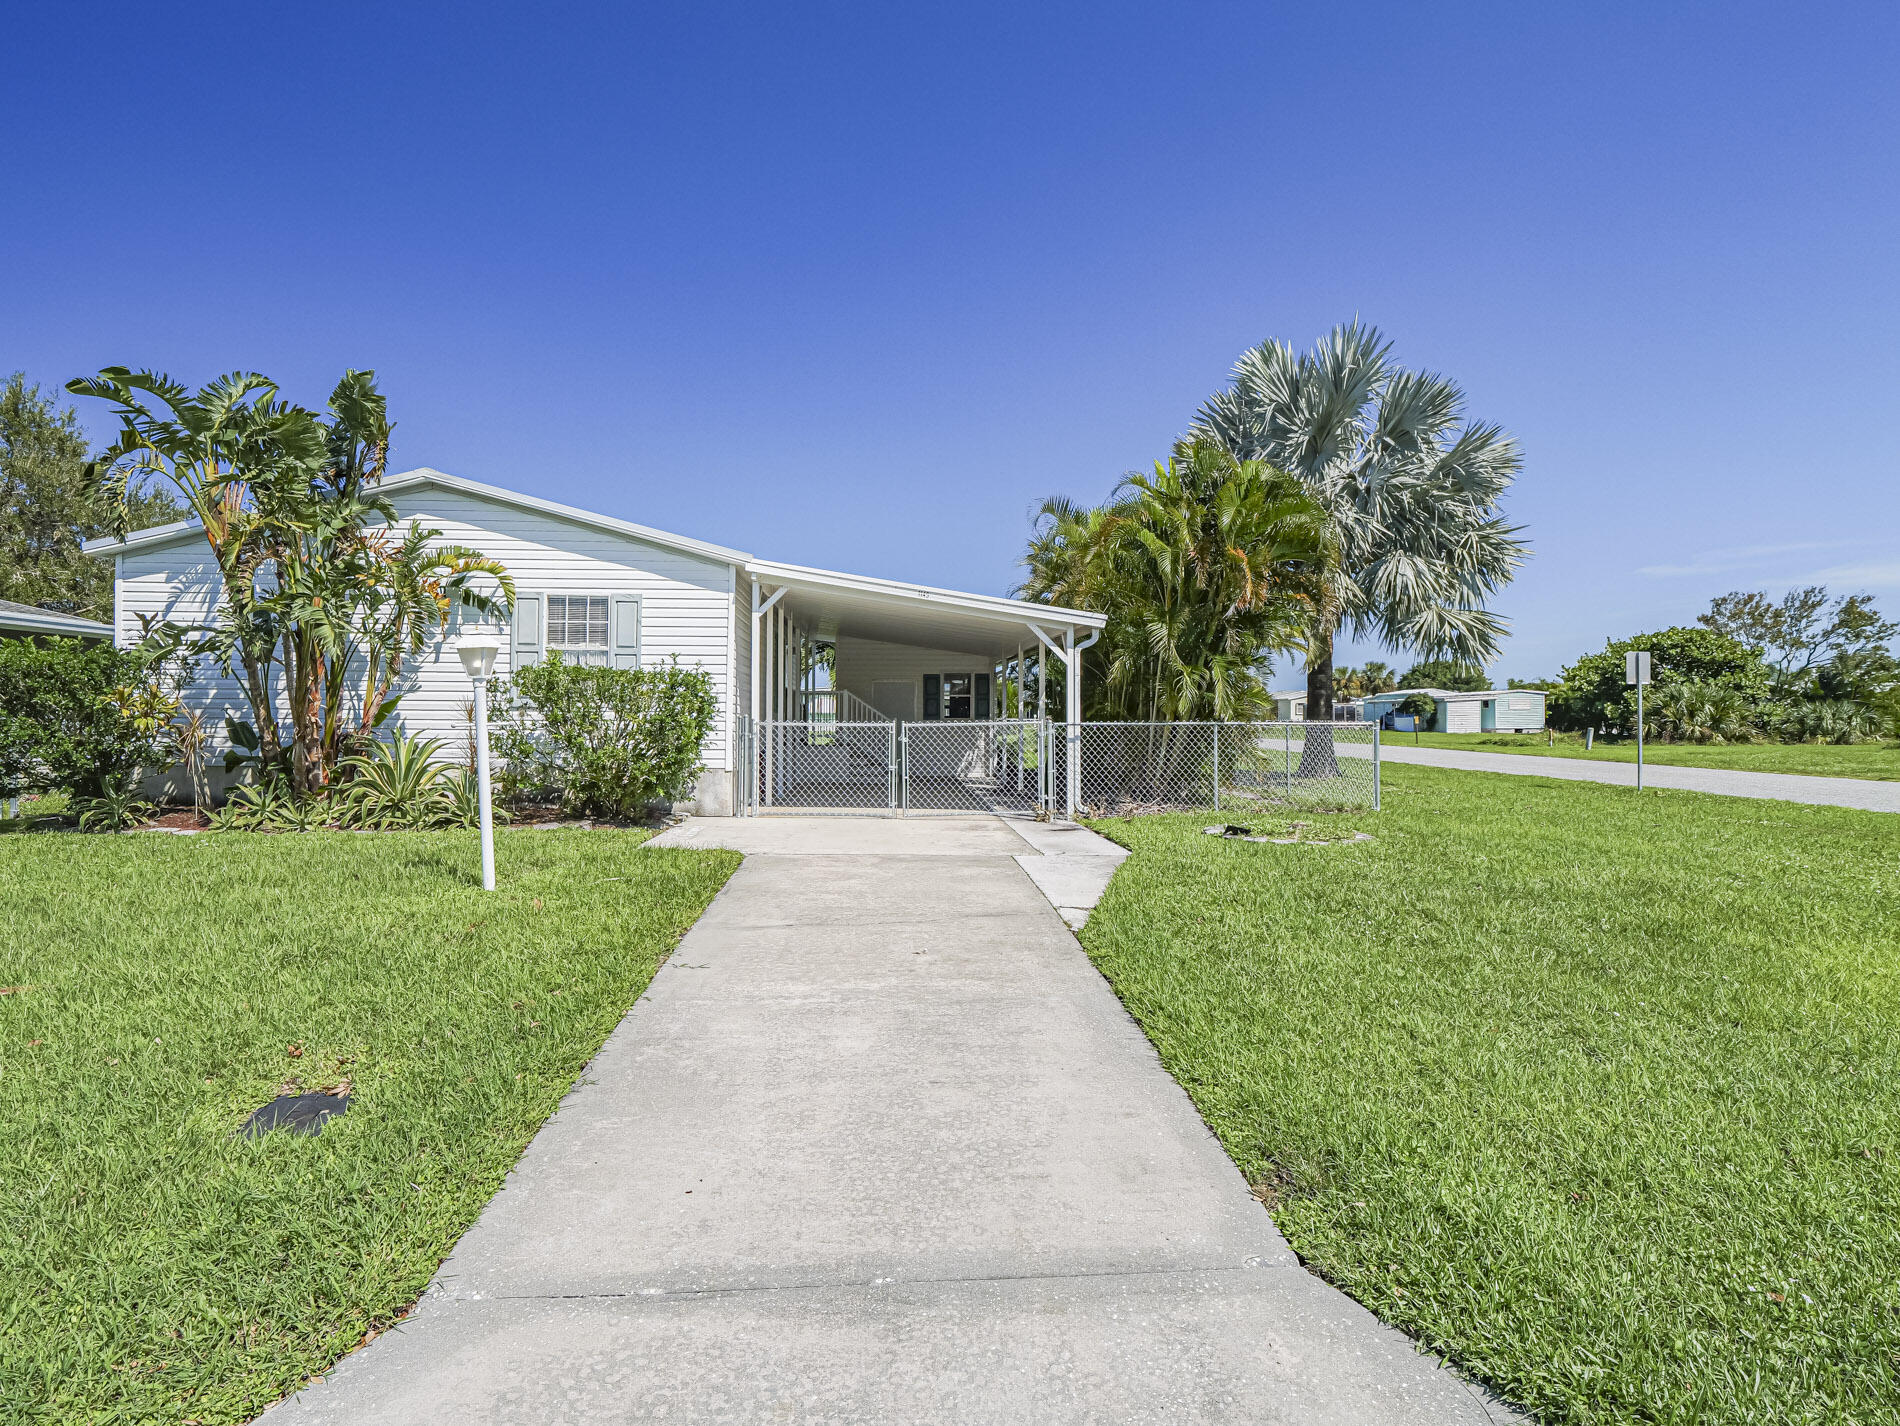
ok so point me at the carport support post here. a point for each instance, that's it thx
(759, 611)
(1072, 697)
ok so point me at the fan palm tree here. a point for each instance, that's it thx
(1200, 567)
(1409, 487)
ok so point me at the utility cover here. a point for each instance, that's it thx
(299, 1113)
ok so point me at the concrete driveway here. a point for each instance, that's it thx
(877, 1146)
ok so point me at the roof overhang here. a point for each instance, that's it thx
(832, 605)
(43, 621)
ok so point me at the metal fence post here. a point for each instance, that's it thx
(1375, 767)
(1286, 731)
(1216, 731)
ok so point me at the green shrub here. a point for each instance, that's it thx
(1592, 693)
(610, 742)
(77, 717)
(1448, 674)
(1698, 712)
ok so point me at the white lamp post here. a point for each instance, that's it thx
(477, 649)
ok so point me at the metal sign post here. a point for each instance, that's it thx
(1636, 671)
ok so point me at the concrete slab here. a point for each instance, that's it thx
(879, 1145)
(1239, 1346)
(1071, 865)
(850, 836)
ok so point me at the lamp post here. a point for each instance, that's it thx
(477, 650)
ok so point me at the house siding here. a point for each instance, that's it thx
(862, 663)
(686, 603)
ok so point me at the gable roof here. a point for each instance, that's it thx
(426, 476)
(861, 587)
(29, 619)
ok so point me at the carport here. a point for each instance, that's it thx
(927, 706)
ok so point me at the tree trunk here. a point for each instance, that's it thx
(1316, 749)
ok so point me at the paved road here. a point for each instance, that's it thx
(1779, 786)
(880, 1146)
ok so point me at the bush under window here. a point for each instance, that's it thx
(607, 742)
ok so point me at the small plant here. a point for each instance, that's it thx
(115, 809)
(402, 784)
(465, 809)
(272, 806)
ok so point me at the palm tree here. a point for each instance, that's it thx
(1409, 487)
(1201, 570)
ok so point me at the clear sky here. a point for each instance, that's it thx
(855, 286)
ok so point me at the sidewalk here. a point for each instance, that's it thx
(880, 1146)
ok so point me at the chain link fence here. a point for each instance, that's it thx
(1126, 769)
(1120, 769)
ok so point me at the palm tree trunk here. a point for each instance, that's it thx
(1316, 749)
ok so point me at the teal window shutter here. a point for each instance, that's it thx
(530, 631)
(933, 697)
(626, 631)
(982, 695)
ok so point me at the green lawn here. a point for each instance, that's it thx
(1877, 761)
(1598, 1093)
(155, 1267)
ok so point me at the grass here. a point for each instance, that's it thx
(154, 1266)
(1877, 761)
(1597, 1093)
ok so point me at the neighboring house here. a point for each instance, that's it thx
(23, 621)
(604, 590)
(1289, 706)
(1495, 710)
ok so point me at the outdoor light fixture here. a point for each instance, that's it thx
(477, 649)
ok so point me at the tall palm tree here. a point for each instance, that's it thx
(1409, 486)
(1200, 567)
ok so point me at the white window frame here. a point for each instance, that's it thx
(599, 655)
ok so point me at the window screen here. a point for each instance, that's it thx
(577, 626)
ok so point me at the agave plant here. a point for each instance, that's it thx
(272, 806)
(117, 808)
(465, 806)
(403, 783)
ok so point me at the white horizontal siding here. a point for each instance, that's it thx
(685, 610)
(864, 662)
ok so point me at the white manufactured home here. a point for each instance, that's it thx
(601, 589)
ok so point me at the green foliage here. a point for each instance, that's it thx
(116, 809)
(402, 783)
(1802, 633)
(1594, 1093)
(321, 601)
(1372, 678)
(46, 511)
(1690, 711)
(1203, 571)
(1824, 720)
(77, 716)
(1448, 674)
(156, 1267)
(1419, 705)
(1592, 693)
(610, 742)
(1542, 685)
(1411, 488)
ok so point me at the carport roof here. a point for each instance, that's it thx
(831, 605)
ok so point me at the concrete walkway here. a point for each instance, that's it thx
(1866, 795)
(880, 1146)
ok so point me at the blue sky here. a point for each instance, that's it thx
(855, 286)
